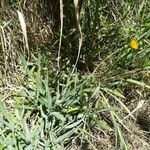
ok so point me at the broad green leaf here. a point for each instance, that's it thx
(75, 124)
(39, 83)
(114, 92)
(64, 136)
(27, 133)
(58, 115)
(138, 83)
(43, 101)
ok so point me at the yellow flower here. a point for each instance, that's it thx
(134, 43)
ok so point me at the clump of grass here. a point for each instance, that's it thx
(59, 108)
(49, 106)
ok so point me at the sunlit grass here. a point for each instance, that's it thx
(79, 84)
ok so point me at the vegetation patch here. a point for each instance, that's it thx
(74, 75)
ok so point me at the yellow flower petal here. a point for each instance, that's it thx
(133, 44)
